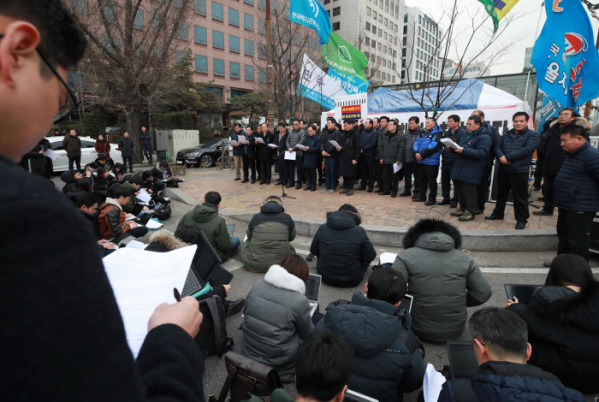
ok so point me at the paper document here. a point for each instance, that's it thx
(387, 258)
(51, 154)
(433, 382)
(143, 196)
(141, 280)
(290, 156)
(273, 145)
(152, 224)
(259, 140)
(302, 147)
(136, 245)
(448, 142)
(241, 138)
(130, 217)
(396, 167)
(233, 143)
(335, 144)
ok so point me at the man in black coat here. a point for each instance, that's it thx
(249, 155)
(280, 164)
(515, 149)
(265, 153)
(145, 138)
(455, 133)
(369, 137)
(70, 344)
(485, 181)
(351, 145)
(390, 150)
(126, 148)
(330, 154)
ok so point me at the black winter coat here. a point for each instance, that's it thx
(343, 250)
(263, 150)
(563, 329)
(518, 149)
(351, 145)
(384, 367)
(577, 183)
(409, 138)
(146, 140)
(447, 155)
(369, 140)
(391, 147)
(72, 144)
(550, 148)
(312, 155)
(491, 132)
(326, 146)
(40, 164)
(250, 149)
(469, 165)
(126, 147)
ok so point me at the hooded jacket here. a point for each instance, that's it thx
(550, 146)
(269, 238)
(518, 149)
(468, 166)
(563, 329)
(577, 183)
(276, 317)
(443, 280)
(428, 145)
(214, 227)
(343, 250)
(384, 367)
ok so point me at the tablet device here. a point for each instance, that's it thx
(462, 361)
(524, 293)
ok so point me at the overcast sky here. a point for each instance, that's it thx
(524, 28)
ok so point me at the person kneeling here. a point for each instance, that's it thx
(112, 221)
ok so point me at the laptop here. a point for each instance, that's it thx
(204, 264)
(407, 302)
(313, 291)
(137, 208)
(524, 293)
(230, 229)
(462, 361)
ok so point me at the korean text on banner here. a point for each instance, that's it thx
(312, 14)
(350, 83)
(564, 55)
(315, 85)
(344, 58)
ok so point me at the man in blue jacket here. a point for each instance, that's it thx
(427, 148)
(455, 133)
(369, 143)
(387, 358)
(514, 150)
(576, 192)
(501, 349)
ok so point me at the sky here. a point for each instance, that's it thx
(530, 14)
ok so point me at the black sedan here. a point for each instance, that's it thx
(206, 154)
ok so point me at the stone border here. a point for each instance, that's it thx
(391, 236)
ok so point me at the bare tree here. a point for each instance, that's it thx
(130, 65)
(465, 44)
(362, 43)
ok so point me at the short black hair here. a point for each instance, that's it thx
(503, 331)
(101, 157)
(187, 233)
(101, 170)
(282, 124)
(349, 121)
(387, 285)
(574, 130)
(250, 127)
(146, 174)
(237, 125)
(86, 199)
(520, 114)
(117, 165)
(415, 119)
(332, 119)
(112, 188)
(94, 165)
(302, 121)
(62, 40)
(163, 164)
(122, 192)
(571, 109)
(385, 118)
(475, 118)
(135, 180)
(85, 184)
(432, 118)
(368, 120)
(212, 197)
(454, 117)
(323, 365)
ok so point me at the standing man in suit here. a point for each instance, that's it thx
(455, 133)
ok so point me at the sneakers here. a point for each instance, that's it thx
(310, 257)
(331, 191)
(343, 191)
(467, 216)
(458, 212)
(324, 189)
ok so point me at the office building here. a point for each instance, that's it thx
(421, 47)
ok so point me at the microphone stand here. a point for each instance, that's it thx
(283, 193)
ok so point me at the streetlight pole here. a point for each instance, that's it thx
(270, 117)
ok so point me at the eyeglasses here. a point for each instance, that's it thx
(71, 102)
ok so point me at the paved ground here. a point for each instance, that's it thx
(375, 210)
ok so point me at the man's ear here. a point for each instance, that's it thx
(366, 288)
(341, 395)
(528, 351)
(19, 42)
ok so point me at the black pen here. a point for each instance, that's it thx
(177, 294)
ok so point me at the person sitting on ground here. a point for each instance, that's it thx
(112, 221)
(214, 227)
(102, 161)
(343, 249)
(87, 203)
(134, 185)
(162, 172)
(563, 328)
(443, 280)
(162, 242)
(102, 181)
(501, 351)
(276, 316)
(387, 357)
(83, 185)
(147, 182)
(324, 364)
(269, 236)
(117, 172)
(70, 178)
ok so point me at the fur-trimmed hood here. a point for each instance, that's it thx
(579, 121)
(426, 226)
(161, 241)
(563, 305)
(281, 278)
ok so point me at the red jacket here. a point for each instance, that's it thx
(103, 147)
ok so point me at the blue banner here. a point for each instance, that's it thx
(550, 109)
(564, 55)
(351, 84)
(317, 97)
(312, 14)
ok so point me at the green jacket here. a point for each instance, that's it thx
(214, 227)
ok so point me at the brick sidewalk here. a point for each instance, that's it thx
(375, 209)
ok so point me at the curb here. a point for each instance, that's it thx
(391, 236)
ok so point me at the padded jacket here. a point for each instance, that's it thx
(214, 227)
(343, 250)
(351, 145)
(269, 238)
(550, 147)
(409, 138)
(369, 140)
(112, 219)
(384, 367)
(276, 317)
(238, 149)
(126, 147)
(72, 144)
(448, 155)
(491, 132)
(470, 164)
(428, 145)
(518, 149)
(391, 147)
(443, 280)
(326, 146)
(294, 138)
(146, 140)
(577, 183)
(312, 155)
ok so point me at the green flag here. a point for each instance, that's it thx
(344, 57)
(498, 9)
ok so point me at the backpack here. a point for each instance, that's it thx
(162, 211)
(212, 337)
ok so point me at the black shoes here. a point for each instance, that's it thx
(430, 202)
(454, 204)
(445, 202)
(385, 193)
(311, 257)
(369, 190)
(238, 178)
(417, 199)
(494, 217)
(289, 185)
(235, 307)
(479, 211)
(298, 186)
(350, 192)
(542, 213)
(278, 182)
(393, 195)
(343, 191)
(253, 181)
(467, 216)
(313, 188)
(360, 188)
(245, 180)
(520, 225)
(262, 182)
(405, 193)
(307, 188)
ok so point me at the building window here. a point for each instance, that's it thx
(286, 36)
(261, 75)
(249, 2)
(261, 26)
(219, 67)
(200, 35)
(234, 70)
(336, 26)
(218, 40)
(248, 22)
(249, 73)
(368, 26)
(262, 51)
(182, 33)
(367, 41)
(233, 17)
(373, 29)
(261, 4)
(373, 43)
(217, 11)
(368, 11)
(297, 39)
(201, 64)
(248, 47)
(199, 7)
(234, 43)
(327, 1)
(336, 11)
(139, 20)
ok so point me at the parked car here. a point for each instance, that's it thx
(207, 153)
(88, 153)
